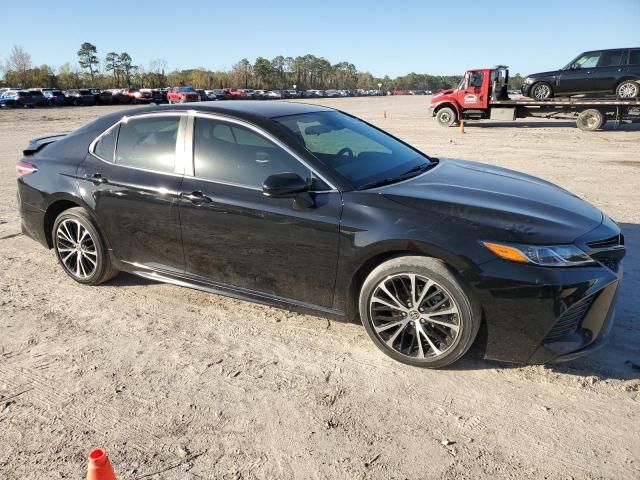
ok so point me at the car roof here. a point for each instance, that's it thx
(248, 109)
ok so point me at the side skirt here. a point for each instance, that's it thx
(239, 293)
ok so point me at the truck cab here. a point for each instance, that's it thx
(472, 97)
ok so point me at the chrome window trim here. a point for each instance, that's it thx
(181, 146)
(214, 116)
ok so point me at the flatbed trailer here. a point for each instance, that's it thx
(482, 94)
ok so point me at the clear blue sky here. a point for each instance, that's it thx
(394, 39)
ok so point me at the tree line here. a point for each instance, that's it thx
(118, 70)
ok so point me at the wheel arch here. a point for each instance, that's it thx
(60, 202)
(445, 104)
(381, 253)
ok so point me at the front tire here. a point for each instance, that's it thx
(541, 91)
(80, 249)
(417, 312)
(446, 117)
(628, 89)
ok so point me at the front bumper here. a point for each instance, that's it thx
(539, 315)
(525, 88)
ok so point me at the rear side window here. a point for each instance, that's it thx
(612, 58)
(634, 57)
(148, 143)
(106, 146)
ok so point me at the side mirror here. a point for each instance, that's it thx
(284, 185)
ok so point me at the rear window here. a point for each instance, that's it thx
(106, 146)
(634, 57)
(148, 143)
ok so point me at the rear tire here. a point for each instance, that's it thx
(590, 120)
(446, 117)
(398, 303)
(541, 91)
(80, 249)
(628, 89)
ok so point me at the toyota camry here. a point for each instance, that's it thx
(310, 208)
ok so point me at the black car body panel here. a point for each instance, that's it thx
(602, 77)
(314, 257)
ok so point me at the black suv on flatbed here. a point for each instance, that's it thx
(601, 71)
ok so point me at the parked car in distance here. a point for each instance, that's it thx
(237, 94)
(158, 96)
(254, 183)
(182, 95)
(274, 94)
(55, 98)
(117, 96)
(211, 95)
(614, 71)
(332, 93)
(221, 93)
(249, 93)
(79, 97)
(16, 99)
(102, 97)
(260, 94)
(39, 100)
(203, 95)
(292, 94)
(312, 93)
(137, 95)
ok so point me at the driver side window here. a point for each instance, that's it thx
(588, 60)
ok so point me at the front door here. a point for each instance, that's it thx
(580, 76)
(471, 94)
(234, 235)
(133, 188)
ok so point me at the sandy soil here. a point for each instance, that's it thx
(177, 384)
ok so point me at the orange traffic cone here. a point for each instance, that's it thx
(99, 466)
(461, 126)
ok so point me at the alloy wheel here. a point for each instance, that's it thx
(542, 91)
(628, 90)
(414, 316)
(76, 249)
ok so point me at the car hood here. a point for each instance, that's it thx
(551, 73)
(509, 205)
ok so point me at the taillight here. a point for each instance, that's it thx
(25, 168)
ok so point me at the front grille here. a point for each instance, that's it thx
(570, 320)
(607, 242)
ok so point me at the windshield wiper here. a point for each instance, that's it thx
(412, 172)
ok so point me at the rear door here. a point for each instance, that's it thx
(610, 69)
(131, 179)
(233, 234)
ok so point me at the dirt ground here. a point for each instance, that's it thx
(180, 384)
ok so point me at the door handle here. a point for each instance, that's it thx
(196, 197)
(96, 179)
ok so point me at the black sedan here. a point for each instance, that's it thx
(309, 208)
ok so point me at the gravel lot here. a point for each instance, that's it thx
(180, 384)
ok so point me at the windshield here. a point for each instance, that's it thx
(186, 90)
(364, 155)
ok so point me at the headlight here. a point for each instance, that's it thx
(528, 80)
(547, 256)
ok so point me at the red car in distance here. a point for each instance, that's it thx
(182, 95)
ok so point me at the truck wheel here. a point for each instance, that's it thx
(541, 90)
(590, 120)
(628, 89)
(446, 117)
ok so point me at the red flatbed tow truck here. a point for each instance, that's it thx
(482, 94)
